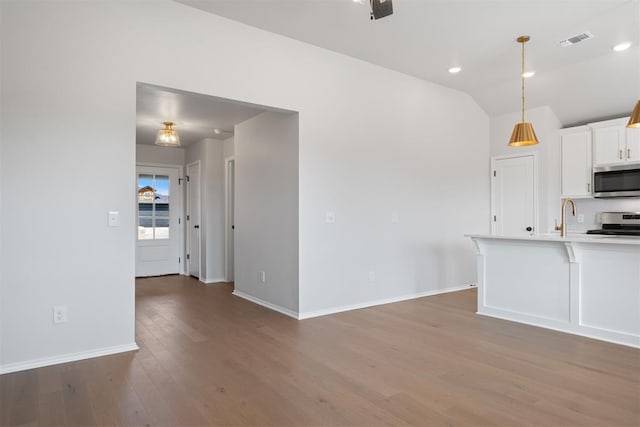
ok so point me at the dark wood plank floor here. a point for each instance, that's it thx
(209, 358)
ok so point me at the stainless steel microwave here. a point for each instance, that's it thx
(616, 181)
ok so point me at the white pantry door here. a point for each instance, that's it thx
(230, 222)
(157, 239)
(514, 200)
(193, 219)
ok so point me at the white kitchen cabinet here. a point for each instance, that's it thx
(633, 144)
(576, 161)
(614, 143)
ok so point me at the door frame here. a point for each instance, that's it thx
(534, 156)
(180, 206)
(187, 212)
(228, 276)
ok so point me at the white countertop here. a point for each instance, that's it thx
(572, 237)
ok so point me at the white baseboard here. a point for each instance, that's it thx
(327, 311)
(267, 304)
(65, 358)
(210, 281)
(324, 312)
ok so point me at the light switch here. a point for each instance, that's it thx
(114, 219)
(395, 218)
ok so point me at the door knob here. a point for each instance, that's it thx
(529, 229)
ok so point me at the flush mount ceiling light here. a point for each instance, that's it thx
(523, 133)
(218, 131)
(622, 46)
(168, 136)
(455, 70)
(634, 120)
(528, 74)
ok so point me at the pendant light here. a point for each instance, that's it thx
(523, 133)
(168, 136)
(634, 120)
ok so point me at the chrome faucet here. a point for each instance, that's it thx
(563, 225)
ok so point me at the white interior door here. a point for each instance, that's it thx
(158, 231)
(193, 219)
(230, 221)
(514, 199)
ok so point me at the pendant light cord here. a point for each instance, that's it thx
(522, 78)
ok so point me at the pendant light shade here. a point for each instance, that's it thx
(523, 133)
(634, 120)
(168, 136)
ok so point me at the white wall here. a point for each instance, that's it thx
(210, 153)
(228, 147)
(372, 141)
(67, 130)
(405, 147)
(160, 155)
(266, 204)
(546, 125)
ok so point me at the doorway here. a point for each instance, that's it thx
(159, 204)
(514, 194)
(193, 220)
(230, 226)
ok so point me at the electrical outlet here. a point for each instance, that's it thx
(330, 217)
(580, 218)
(263, 277)
(372, 276)
(60, 314)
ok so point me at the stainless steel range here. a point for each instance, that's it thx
(619, 224)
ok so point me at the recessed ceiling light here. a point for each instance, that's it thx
(622, 46)
(528, 74)
(217, 131)
(455, 70)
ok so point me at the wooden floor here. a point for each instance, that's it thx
(209, 358)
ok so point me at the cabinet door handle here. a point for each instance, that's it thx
(588, 188)
(620, 154)
(628, 153)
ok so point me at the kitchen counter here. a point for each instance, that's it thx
(582, 284)
(570, 238)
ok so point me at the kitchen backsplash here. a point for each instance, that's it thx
(590, 208)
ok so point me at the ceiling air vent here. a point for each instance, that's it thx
(576, 39)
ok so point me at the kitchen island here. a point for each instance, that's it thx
(581, 284)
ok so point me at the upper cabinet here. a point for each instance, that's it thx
(596, 144)
(576, 161)
(633, 144)
(614, 143)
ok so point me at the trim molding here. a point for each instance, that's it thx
(383, 301)
(267, 304)
(65, 358)
(324, 312)
(216, 280)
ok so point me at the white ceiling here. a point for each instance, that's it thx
(195, 115)
(423, 38)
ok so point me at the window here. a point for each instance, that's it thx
(153, 207)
